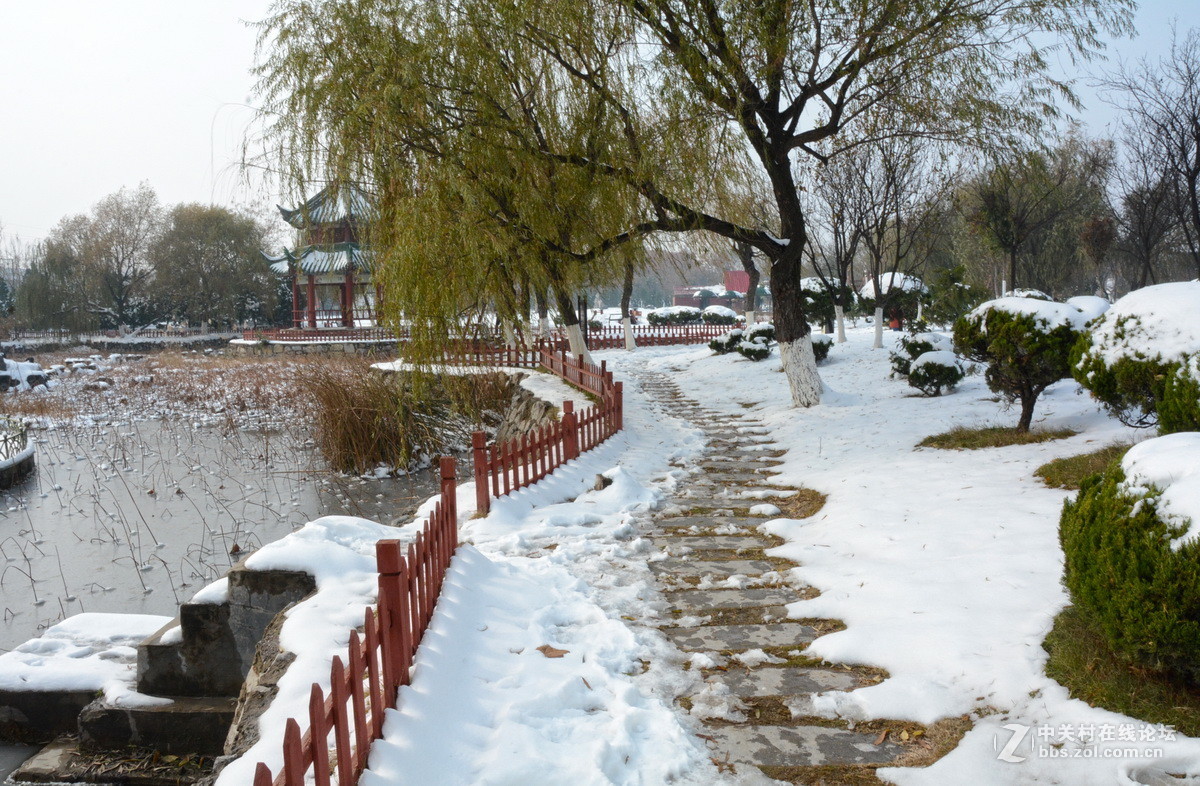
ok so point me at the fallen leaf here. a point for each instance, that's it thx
(585, 682)
(904, 736)
(882, 736)
(551, 652)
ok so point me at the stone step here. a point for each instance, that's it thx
(770, 680)
(747, 523)
(709, 542)
(693, 601)
(714, 503)
(737, 478)
(186, 725)
(708, 638)
(715, 568)
(799, 746)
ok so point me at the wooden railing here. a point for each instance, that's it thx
(505, 467)
(364, 686)
(318, 335)
(613, 336)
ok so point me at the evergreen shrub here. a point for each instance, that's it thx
(727, 343)
(821, 344)
(934, 371)
(1179, 405)
(1132, 585)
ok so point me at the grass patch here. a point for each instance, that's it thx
(1082, 662)
(801, 505)
(962, 438)
(1068, 473)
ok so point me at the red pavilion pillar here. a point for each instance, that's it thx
(348, 299)
(296, 319)
(312, 301)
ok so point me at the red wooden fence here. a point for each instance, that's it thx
(379, 661)
(505, 467)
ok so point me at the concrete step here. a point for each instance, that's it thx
(699, 601)
(715, 568)
(708, 638)
(189, 724)
(785, 681)
(799, 746)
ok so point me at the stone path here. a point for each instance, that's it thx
(728, 597)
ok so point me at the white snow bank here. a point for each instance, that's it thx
(938, 357)
(86, 652)
(1090, 305)
(721, 311)
(1160, 322)
(1048, 314)
(1170, 464)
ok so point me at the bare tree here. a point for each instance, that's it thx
(118, 239)
(1161, 101)
(836, 211)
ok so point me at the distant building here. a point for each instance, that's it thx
(730, 294)
(330, 271)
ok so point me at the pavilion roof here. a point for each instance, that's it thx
(317, 260)
(333, 204)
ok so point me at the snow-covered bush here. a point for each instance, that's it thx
(719, 315)
(1032, 294)
(932, 371)
(1131, 542)
(758, 349)
(902, 303)
(1026, 344)
(763, 330)
(821, 344)
(674, 315)
(1090, 306)
(1136, 345)
(912, 345)
(726, 343)
(1179, 407)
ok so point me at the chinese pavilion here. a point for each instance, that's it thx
(330, 271)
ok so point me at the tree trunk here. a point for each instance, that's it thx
(751, 317)
(626, 296)
(839, 315)
(878, 328)
(1027, 402)
(510, 338)
(543, 311)
(791, 329)
(570, 321)
(746, 255)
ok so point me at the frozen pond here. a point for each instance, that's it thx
(137, 516)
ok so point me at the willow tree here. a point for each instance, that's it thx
(689, 101)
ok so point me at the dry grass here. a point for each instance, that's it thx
(962, 438)
(1081, 660)
(1068, 473)
(801, 505)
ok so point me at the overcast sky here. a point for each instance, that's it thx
(100, 94)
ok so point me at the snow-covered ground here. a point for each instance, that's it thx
(944, 565)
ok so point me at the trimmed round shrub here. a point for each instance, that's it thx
(674, 315)
(727, 343)
(934, 371)
(1179, 405)
(1032, 294)
(1131, 571)
(912, 346)
(821, 344)
(719, 315)
(1136, 346)
(763, 330)
(754, 350)
(1026, 344)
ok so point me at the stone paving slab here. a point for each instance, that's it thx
(715, 568)
(707, 638)
(714, 503)
(786, 681)
(742, 523)
(800, 746)
(739, 479)
(692, 600)
(709, 542)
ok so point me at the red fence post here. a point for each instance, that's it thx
(483, 499)
(262, 775)
(619, 404)
(390, 563)
(449, 470)
(570, 422)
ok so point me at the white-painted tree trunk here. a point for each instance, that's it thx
(839, 315)
(544, 327)
(800, 368)
(751, 318)
(878, 329)
(627, 325)
(510, 338)
(575, 342)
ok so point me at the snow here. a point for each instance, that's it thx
(944, 565)
(216, 592)
(1035, 294)
(905, 282)
(936, 340)
(86, 652)
(938, 357)
(668, 311)
(543, 385)
(720, 311)
(1170, 464)
(1048, 314)
(1161, 321)
(1090, 306)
